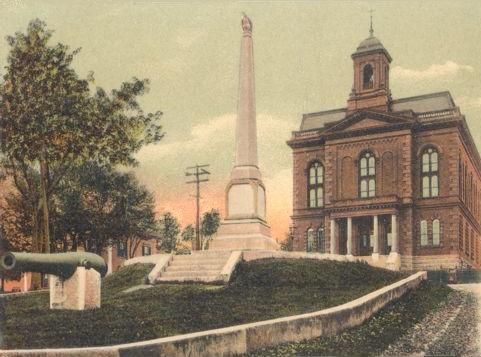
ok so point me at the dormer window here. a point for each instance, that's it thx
(367, 77)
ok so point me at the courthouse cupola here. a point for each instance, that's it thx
(371, 76)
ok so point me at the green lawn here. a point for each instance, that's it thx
(260, 290)
(376, 334)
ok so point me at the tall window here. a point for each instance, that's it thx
(436, 232)
(316, 185)
(121, 249)
(310, 240)
(321, 240)
(367, 175)
(367, 77)
(424, 233)
(146, 250)
(429, 173)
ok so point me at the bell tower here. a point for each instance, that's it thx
(371, 76)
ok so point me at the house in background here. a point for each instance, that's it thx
(397, 181)
(118, 253)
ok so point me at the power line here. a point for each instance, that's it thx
(200, 175)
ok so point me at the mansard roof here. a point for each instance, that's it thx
(434, 102)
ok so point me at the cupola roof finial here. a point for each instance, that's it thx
(371, 31)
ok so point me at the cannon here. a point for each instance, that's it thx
(74, 278)
(62, 265)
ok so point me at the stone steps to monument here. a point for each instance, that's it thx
(205, 266)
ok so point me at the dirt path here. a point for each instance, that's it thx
(452, 330)
(475, 289)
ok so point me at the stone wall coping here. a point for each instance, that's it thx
(197, 340)
(161, 264)
(228, 268)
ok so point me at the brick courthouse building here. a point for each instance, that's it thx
(395, 180)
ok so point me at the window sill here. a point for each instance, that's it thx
(430, 246)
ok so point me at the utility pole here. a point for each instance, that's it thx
(201, 175)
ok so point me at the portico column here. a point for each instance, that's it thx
(375, 249)
(349, 236)
(394, 230)
(393, 261)
(333, 236)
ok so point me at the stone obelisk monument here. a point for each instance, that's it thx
(245, 226)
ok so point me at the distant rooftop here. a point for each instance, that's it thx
(419, 104)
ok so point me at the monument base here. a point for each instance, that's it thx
(79, 292)
(243, 234)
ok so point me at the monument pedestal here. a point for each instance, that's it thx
(79, 292)
(243, 234)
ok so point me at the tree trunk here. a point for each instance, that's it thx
(36, 244)
(36, 248)
(43, 188)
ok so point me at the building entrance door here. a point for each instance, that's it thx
(365, 236)
(343, 236)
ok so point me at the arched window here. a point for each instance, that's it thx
(316, 185)
(429, 173)
(424, 233)
(367, 175)
(321, 240)
(310, 240)
(436, 232)
(367, 77)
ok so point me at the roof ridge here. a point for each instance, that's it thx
(423, 96)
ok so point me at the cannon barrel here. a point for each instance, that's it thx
(59, 264)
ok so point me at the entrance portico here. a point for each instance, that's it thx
(374, 235)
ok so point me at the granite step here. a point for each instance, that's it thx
(190, 279)
(199, 257)
(198, 262)
(191, 273)
(194, 267)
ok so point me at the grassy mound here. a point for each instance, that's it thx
(374, 336)
(125, 278)
(260, 290)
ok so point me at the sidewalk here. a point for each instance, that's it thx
(476, 290)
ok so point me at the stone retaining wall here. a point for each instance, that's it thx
(240, 339)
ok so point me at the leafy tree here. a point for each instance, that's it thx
(15, 223)
(169, 230)
(98, 204)
(50, 121)
(209, 226)
(287, 243)
(188, 234)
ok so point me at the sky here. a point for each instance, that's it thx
(189, 50)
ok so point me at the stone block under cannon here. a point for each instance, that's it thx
(74, 278)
